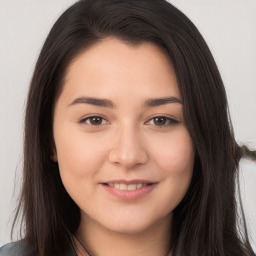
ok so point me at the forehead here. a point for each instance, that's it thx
(112, 65)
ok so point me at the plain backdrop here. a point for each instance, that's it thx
(228, 26)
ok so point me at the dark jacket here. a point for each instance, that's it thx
(15, 249)
(20, 248)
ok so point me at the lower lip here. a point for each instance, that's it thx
(129, 194)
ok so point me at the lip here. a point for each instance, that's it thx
(129, 195)
(127, 182)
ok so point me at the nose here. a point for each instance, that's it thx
(127, 149)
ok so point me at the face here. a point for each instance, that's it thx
(124, 153)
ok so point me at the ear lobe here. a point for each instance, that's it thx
(54, 157)
(53, 151)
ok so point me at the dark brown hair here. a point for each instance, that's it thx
(206, 221)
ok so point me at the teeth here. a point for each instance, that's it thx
(122, 186)
(132, 187)
(139, 185)
(116, 185)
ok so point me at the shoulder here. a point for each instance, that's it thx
(15, 248)
(20, 248)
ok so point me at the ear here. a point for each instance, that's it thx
(54, 157)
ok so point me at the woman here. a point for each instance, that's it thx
(128, 145)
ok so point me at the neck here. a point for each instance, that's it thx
(155, 241)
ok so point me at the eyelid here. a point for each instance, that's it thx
(85, 118)
(172, 121)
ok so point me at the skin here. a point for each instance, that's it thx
(128, 143)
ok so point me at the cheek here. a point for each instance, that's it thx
(176, 154)
(175, 159)
(78, 155)
(80, 159)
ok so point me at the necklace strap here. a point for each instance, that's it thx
(79, 247)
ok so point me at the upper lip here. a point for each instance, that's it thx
(127, 182)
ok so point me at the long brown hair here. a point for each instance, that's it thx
(205, 222)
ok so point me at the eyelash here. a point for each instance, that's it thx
(84, 120)
(170, 121)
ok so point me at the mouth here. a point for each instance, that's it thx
(130, 187)
(129, 190)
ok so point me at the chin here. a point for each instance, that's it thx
(131, 226)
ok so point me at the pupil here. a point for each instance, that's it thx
(159, 120)
(96, 120)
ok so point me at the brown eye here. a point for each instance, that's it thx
(162, 121)
(94, 120)
(159, 120)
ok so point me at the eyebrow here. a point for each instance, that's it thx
(94, 101)
(152, 102)
(161, 101)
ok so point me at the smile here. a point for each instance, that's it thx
(122, 186)
(129, 190)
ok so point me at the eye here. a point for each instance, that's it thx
(162, 121)
(94, 120)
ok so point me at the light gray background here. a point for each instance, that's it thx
(229, 27)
